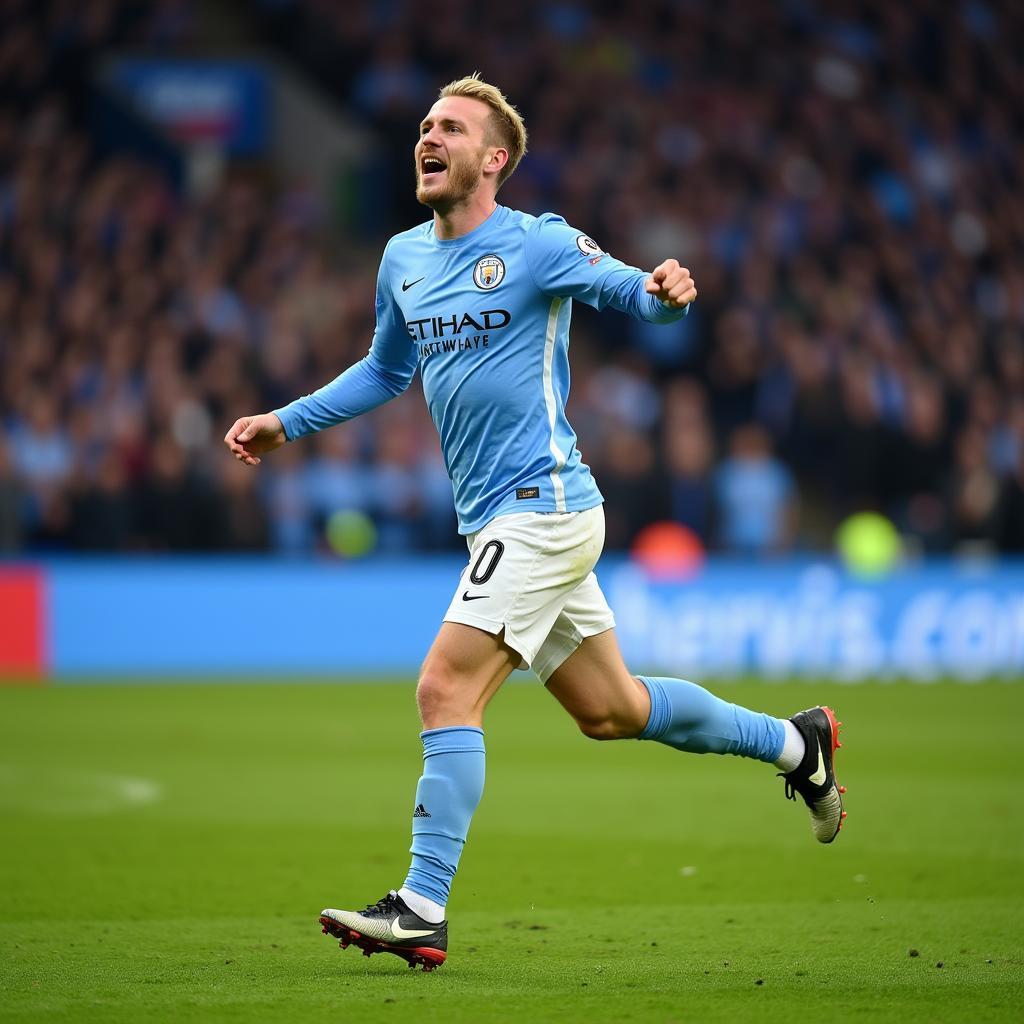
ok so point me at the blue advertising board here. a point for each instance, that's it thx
(778, 621)
(249, 617)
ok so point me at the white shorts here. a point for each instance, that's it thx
(531, 575)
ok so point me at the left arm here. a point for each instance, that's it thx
(566, 263)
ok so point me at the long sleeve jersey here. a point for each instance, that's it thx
(485, 318)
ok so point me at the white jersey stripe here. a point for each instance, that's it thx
(549, 400)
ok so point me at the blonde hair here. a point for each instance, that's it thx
(505, 125)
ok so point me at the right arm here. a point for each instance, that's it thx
(382, 374)
(362, 387)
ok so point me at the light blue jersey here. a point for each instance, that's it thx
(485, 317)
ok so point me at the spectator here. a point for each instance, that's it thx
(12, 497)
(755, 496)
(689, 458)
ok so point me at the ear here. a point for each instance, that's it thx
(497, 158)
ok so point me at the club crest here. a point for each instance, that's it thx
(489, 272)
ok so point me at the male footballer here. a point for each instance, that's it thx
(479, 299)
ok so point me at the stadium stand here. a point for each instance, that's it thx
(843, 180)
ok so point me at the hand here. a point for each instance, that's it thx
(254, 435)
(672, 284)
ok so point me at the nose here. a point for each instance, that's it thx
(431, 137)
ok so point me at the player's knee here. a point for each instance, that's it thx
(433, 693)
(598, 728)
(438, 692)
(609, 727)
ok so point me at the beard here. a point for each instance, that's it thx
(461, 181)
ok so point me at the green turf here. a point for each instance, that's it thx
(610, 882)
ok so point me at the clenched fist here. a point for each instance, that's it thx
(252, 436)
(672, 284)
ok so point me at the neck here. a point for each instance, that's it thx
(463, 217)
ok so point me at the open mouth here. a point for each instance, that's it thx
(431, 166)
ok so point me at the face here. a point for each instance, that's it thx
(452, 153)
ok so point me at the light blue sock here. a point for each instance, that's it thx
(446, 797)
(688, 717)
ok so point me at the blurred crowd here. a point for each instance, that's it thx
(843, 179)
(136, 325)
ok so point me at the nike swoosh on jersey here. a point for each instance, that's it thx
(475, 597)
(406, 285)
(403, 933)
(819, 777)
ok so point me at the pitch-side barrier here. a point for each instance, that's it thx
(132, 619)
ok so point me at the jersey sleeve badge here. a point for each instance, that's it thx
(588, 246)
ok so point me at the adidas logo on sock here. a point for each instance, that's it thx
(421, 812)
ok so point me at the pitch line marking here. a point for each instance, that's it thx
(60, 794)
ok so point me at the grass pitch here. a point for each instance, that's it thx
(164, 851)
